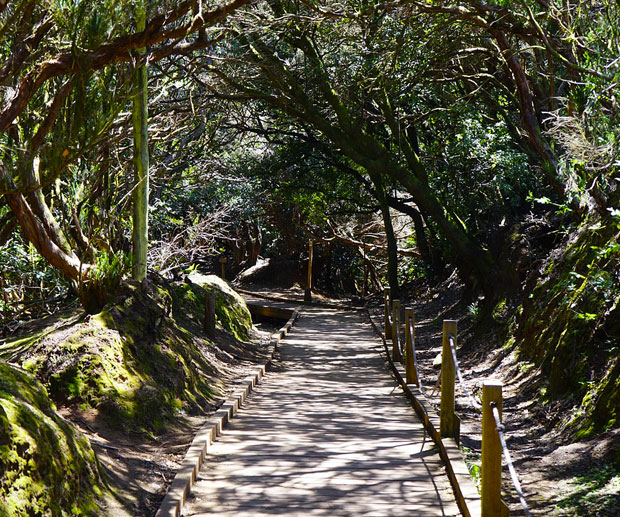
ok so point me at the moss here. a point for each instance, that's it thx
(134, 362)
(565, 322)
(500, 311)
(46, 468)
(601, 404)
(231, 311)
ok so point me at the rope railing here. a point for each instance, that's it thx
(493, 439)
(472, 401)
(513, 473)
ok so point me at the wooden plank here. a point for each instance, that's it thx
(260, 310)
(324, 435)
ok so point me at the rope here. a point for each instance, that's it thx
(475, 405)
(511, 469)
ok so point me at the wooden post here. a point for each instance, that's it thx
(396, 355)
(447, 419)
(410, 371)
(387, 312)
(308, 291)
(491, 471)
(365, 280)
(5, 296)
(223, 264)
(209, 323)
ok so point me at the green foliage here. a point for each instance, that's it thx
(473, 462)
(26, 278)
(480, 173)
(102, 280)
(594, 492)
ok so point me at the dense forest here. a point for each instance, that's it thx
(412, 141)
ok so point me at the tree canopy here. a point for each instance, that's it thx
(410, 139)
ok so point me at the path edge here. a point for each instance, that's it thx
(464, 489)
(185, 476)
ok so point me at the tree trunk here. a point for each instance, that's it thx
(426, 253)
(68, 264)
(392, 250)
(141, 159)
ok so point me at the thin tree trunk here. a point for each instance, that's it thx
(141, 159)
(392, 251)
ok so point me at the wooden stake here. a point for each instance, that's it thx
(491, 471)
(308, 291)
(209, 323)
(410, 371)
(387, 312)
(396, 355)
(223, 265)
(447, 418)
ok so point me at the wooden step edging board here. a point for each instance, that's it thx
(258, 310)
(186, 475)
(464, 489)
(327, 305)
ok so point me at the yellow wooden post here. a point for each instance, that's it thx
(396, 355)
(223, 265)
(491, 471)
(410, 371)
(387, 312)
(308, 291)
(448, 423)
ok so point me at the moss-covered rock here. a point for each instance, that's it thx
(231, 311)
(46, 468)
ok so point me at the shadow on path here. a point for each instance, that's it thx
(325, 434)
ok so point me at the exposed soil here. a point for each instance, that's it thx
(558, 475)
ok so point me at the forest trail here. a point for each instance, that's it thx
(326, 433)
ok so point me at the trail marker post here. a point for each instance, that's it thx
(308, 290)
(387, 312)
(396, 353)
(209, 322)
(223, 266)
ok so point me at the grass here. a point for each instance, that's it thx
(473, 461)
(593, 493)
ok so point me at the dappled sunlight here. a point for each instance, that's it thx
(325, 434)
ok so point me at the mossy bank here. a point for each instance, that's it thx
(569, 326)
(46, 467)
(137, 365)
